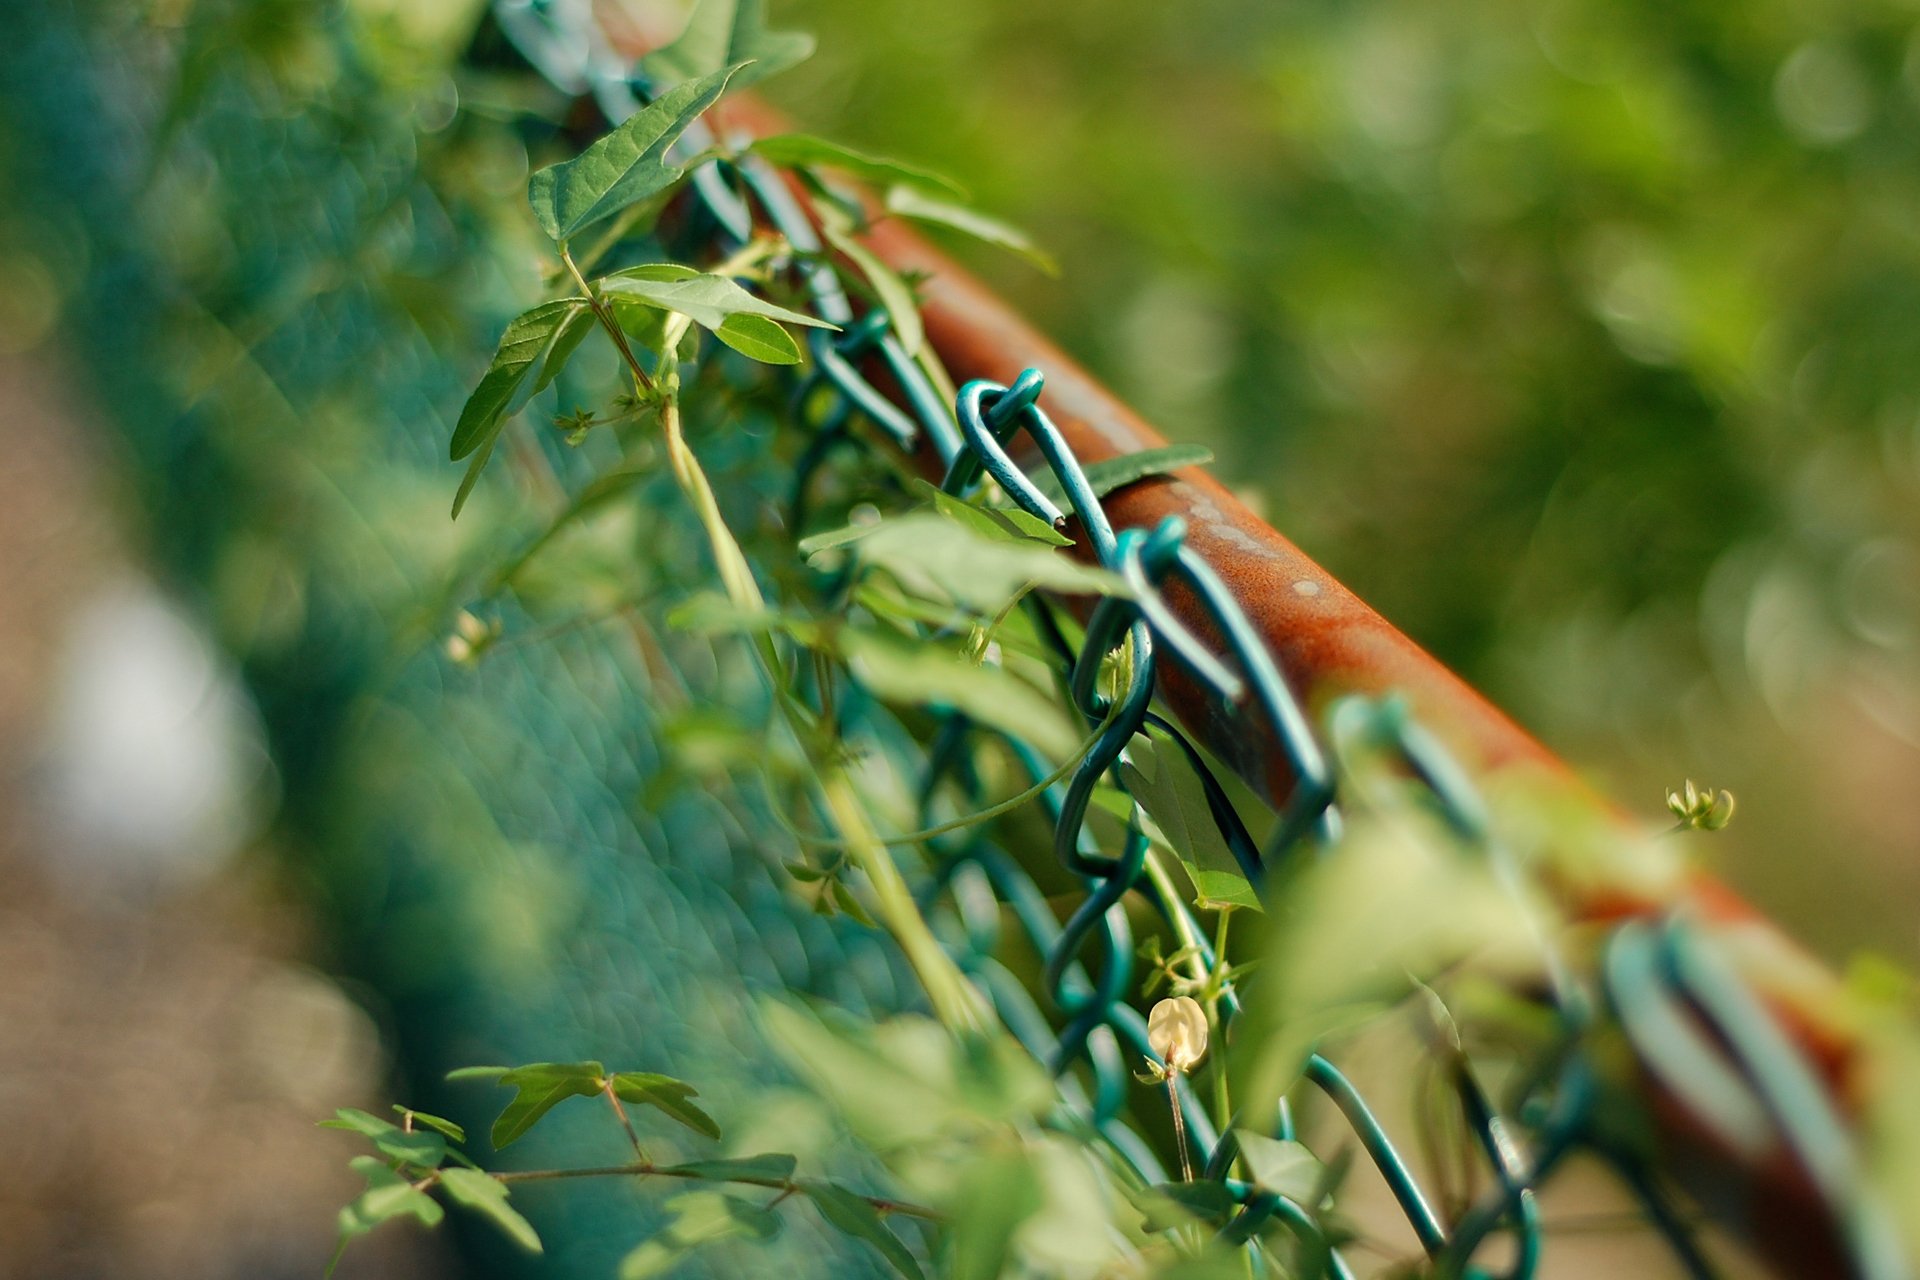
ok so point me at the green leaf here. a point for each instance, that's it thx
(903, 310)
(644, 324)
(909, 202)
(487, 1196)
(709, 613)
(758, 338)
(1179, 1204)
(772, 1168)
(1109, 474)
(700, 1217)
(388, 1196)
(541, 1087)
(573, 330)
(1171, 793)
(668, 1095)
(906, 1082)
(724, 33)
(951, 560)
(707, 300)
(531, 351)
(475, 465)
(794, 150)
(843, 899)
(1399, 906)
(357, 1121)
(426, 1150)
(438, 1124)
(813, 544)
(1002, 524)
(1284, 1168)
(476, 1073)
(624, 167)
(991, 1201)
(898, 671)
(861, 1220)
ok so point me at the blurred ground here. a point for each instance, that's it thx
(164, 1052)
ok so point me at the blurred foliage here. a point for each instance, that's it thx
(1581, 339)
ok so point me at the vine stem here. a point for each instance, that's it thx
(604, 314)
(1179, 1126)
(954, 1001)
(976, 817)
(626, 1121)
(1216, 1025)
(647, 1169)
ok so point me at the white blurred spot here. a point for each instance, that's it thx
(1631, 288)
(1394, 89)
(1785, 642)
(154, 767)
(1178, 342)
(1880, 592)
(1822, 94)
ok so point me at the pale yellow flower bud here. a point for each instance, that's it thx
(1177, 1031)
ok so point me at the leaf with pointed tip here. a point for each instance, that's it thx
(475, 466)
(541, 1087)
(1166, 786)
(1180, 1204)
(425, 1150)
(1285, 1168)
(572, 331)
(487, 1196)
(476, 1073)
(771, 1168)
(624, 167)
(700, 1217)
(439, 1124)
(853, 1215)
(758, 338)
(803, 150)
(896, 671)
(355, 1120)
(1108, 474)
(388, 1196)
(908, 202)
(940, 557)
(1002, 524)
(903, 310)
(532, 350)
(667, 1094)
(995, 1196)
(725, 33)
(707, 300)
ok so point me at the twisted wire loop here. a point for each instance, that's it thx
(1699, 1030)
